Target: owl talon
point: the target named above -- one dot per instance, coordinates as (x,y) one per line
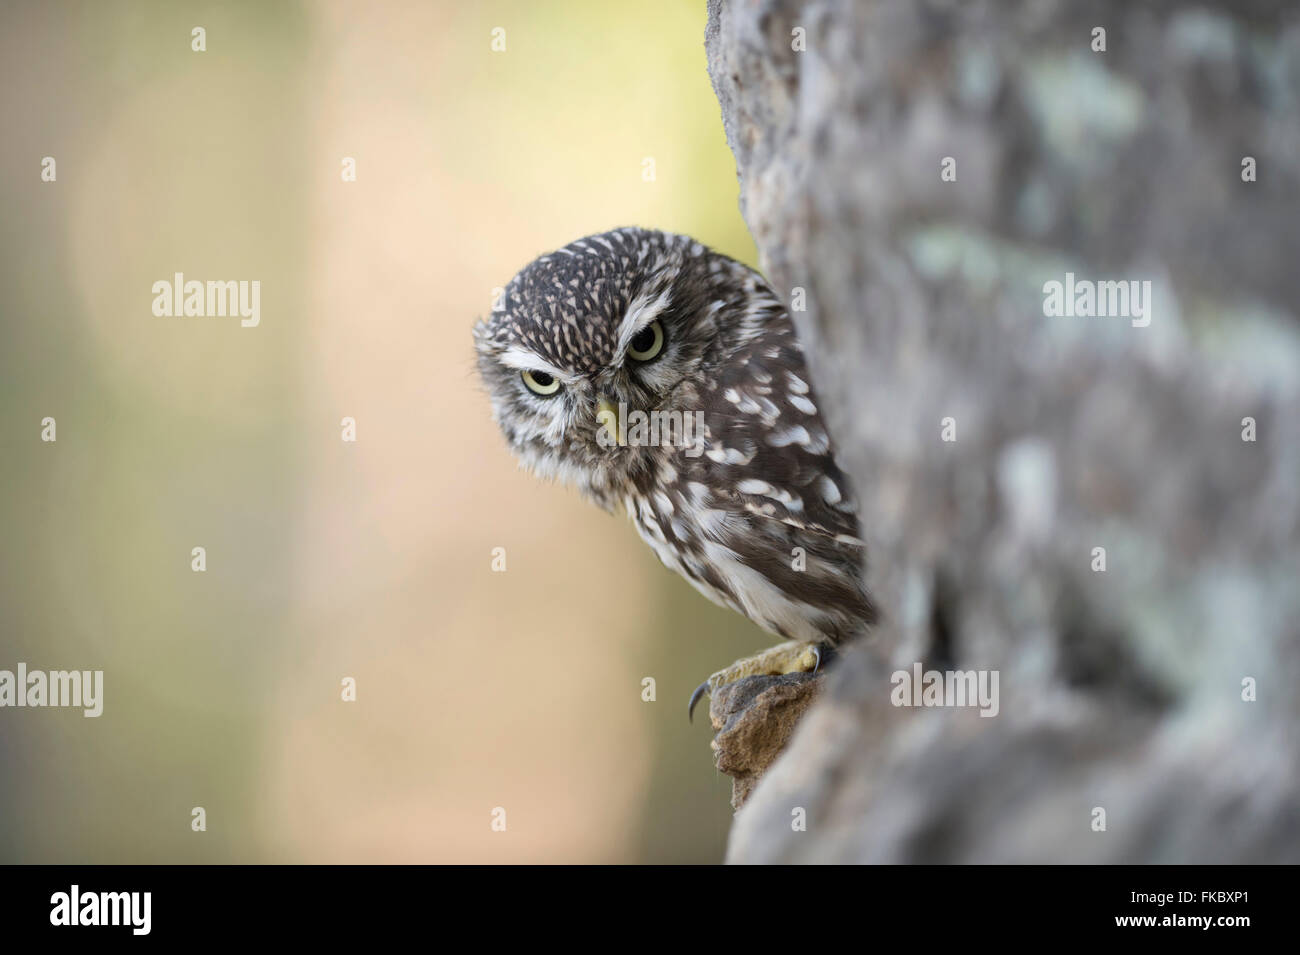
(695,698)
(789,657)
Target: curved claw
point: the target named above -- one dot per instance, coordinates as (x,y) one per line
(695,698)
(817,652)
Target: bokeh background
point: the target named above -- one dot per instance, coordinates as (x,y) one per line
(327,559)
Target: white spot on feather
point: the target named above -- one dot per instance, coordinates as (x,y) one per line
(796,435)
(802,403)
(830,493)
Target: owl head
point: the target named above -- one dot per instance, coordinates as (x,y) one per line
(617,322)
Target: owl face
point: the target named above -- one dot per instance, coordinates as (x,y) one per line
(610,324)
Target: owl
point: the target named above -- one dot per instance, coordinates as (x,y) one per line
(664,380)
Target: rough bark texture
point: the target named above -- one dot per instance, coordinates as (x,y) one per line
(1120,689)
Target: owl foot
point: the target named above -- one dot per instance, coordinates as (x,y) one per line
(789,657)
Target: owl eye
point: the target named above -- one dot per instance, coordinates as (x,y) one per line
(540,383)
(647,343)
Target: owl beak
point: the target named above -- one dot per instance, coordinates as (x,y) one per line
(607,415)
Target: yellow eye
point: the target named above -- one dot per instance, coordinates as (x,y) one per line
(647,343)
(541,383)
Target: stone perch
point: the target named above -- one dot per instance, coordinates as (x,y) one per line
(754,719)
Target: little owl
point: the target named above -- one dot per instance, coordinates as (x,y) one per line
(617,330)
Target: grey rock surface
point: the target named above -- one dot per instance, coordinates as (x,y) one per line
(922,305)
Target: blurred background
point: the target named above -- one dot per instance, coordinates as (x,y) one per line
(327,559)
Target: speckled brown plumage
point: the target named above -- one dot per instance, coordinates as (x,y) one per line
(754,512)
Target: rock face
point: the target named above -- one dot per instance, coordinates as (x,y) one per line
(1104,510)
(754,719)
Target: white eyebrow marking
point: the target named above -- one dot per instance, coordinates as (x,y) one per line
(524,360)
(640,313)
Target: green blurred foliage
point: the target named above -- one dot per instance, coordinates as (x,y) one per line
(175,433)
